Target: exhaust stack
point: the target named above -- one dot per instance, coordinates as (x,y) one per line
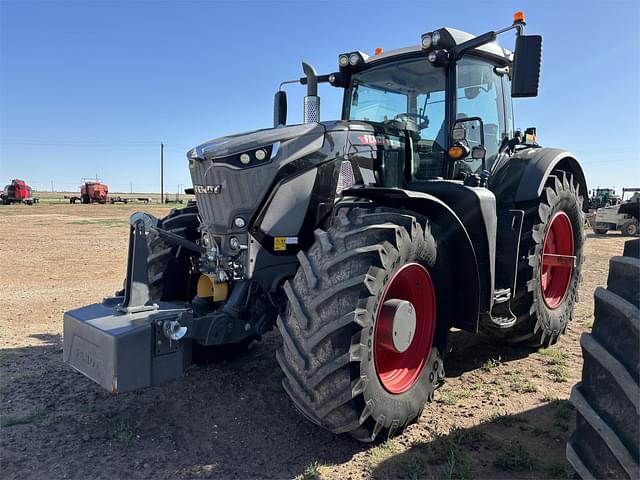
(312,100)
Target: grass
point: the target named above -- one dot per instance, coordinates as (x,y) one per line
(125,431)
(450,452)
(414,468)
(490,364)
(515,458)
(558,360)
(11,420)
(555,356)
(312,472)
(444,457)
(559,373)
(383,452)
(453,396)
(521,384)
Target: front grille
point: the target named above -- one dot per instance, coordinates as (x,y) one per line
(240,192)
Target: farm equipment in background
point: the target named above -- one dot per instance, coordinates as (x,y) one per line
(364,240)
(618,216)
(91,191)
(603,197)
(17,192)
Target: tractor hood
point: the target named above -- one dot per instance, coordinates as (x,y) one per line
(229,184)
(241,142)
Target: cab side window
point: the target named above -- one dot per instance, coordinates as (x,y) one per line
(480,94)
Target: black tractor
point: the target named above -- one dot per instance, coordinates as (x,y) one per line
(364,240)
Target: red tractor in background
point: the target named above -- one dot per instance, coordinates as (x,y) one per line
(91,192)
(17,192)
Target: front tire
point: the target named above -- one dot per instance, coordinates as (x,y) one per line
(548,281)
(341,369)
(169,265)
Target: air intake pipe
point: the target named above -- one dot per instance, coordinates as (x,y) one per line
(312,100)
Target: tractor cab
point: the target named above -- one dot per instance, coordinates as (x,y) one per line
(447,100)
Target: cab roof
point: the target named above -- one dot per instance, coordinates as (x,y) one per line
(450,38)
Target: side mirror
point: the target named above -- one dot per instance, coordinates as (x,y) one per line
(469,129)
(280,108)
(526,66)
(469,133)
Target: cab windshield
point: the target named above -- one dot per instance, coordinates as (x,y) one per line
(408,94)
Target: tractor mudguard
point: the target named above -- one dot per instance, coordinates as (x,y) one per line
(522,176)
(464,268)
(540,163)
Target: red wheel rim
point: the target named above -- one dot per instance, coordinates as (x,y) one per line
(558,260)
(399,371)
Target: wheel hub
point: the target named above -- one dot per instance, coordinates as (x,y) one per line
(405,327)
(558,260)
(397,324)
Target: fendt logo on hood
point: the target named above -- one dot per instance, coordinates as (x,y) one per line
(379,140)
(215,189)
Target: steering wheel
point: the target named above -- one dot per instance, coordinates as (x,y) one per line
(422,121)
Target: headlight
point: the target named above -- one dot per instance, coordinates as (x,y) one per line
(245,159)
(426,41)
(343,60)
(261,154)
(354,59)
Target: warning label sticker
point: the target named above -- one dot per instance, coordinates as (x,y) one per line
(279,244)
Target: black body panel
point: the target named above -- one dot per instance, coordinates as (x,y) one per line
(476,209)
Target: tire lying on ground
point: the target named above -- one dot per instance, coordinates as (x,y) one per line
(361,350)
(606,442)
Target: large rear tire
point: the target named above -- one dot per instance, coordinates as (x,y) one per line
(547,283)
(606,441)
(348,304)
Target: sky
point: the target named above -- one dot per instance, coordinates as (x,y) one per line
(93,87)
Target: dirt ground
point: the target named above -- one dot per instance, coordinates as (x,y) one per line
(502,412)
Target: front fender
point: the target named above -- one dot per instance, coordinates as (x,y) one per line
(540,162)
(465,295)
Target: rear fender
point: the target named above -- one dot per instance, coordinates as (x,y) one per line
(464,266)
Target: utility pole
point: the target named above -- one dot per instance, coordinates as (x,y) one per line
(52,185)
(162,173)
